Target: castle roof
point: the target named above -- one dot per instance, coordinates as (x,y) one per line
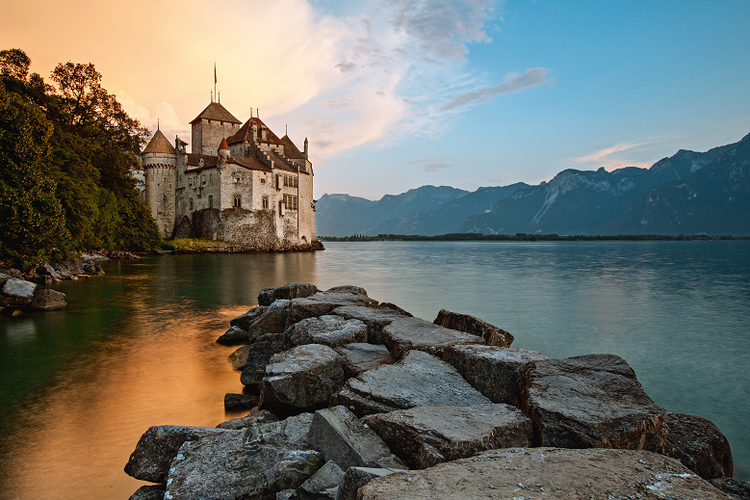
(159,144)
(245,133)
(290,150)
(223,146)
(194,161)
(216,111)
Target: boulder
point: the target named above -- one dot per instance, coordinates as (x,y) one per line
(238,359)
(548,473)
(356,477)
(326,478)
(419,379)
(245,320)
(302,378)
(239,402)
(699,445)
(491,334)
(16,293)
(255,418)
(158,446)
(327,330)
(376,318)
(340,437)
(405,334)
(737,490)
(493,371)
(428,435)
(259,354)
(48,300)
(252,463)
(592,401)
(268,296)
(150,492)
(360,357)
(323,303)
(234,336)
(275,319)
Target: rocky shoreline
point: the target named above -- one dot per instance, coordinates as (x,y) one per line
(349,398)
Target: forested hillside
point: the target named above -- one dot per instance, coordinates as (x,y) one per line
(66,151)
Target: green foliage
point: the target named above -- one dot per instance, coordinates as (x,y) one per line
(65,161)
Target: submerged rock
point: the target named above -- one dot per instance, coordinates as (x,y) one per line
(48,300)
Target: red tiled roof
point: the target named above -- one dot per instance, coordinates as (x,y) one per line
(223,145)
(159,144)
(250,163)
(290,150)
(245,132)
(216,111)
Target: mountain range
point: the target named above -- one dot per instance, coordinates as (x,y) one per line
(687,193)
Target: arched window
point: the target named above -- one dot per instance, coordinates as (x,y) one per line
(237,201)
(210,201)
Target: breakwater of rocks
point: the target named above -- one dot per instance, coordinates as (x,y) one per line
(349,398)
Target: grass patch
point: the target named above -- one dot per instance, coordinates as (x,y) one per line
(192,245)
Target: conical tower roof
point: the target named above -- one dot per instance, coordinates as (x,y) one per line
(216,111)
(223,146)
(159,144)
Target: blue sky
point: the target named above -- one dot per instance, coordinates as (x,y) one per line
(396,94)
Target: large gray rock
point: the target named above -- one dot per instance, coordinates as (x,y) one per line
(239,402)
(323,303)
(428,435)
(327,330)
(360,357)
(419,379)
(238,359)
(356,477)
(48,300)
(327,477)
(537,473)
(255,418)
(493,371)
(251,463)
(259,354)
(268,296)
(592,401)
(275,319)
(150,492)
(16,293)
(340,437)
(234,336)
(491,334)
(301,378)
(405,334)
(245,320)
(699,445)
(376,318)
(737,490)
(158,446)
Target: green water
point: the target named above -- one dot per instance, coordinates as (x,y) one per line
(136,347)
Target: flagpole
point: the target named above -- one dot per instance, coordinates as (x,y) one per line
(215,79)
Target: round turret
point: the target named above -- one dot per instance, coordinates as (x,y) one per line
(159,162)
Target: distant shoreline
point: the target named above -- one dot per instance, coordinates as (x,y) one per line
(532,237)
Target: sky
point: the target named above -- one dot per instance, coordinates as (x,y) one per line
(397,94)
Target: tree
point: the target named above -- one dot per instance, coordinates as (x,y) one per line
(31,217)
(14,63)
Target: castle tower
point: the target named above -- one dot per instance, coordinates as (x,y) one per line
(210,126)
(159,160)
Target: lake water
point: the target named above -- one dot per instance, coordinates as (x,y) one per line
(136,347)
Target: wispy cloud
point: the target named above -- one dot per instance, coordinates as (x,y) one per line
(610,158)
(433,167)
(532,77)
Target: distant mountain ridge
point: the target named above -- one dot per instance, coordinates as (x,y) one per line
(687,193)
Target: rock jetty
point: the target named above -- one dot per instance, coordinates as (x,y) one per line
(349,398)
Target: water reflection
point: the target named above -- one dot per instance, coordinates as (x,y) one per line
(136,347)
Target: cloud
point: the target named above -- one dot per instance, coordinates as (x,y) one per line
(611,159)
(433,167)
(532,77)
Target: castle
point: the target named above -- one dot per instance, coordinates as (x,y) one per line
(240,184)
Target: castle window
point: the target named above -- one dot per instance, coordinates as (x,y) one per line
(263,180)
(291,202)
(210,201)
(237,201)
(191,203)
(265,200)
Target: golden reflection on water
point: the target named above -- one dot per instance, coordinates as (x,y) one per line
(79,435)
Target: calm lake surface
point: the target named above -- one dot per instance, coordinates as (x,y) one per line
(135,347)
